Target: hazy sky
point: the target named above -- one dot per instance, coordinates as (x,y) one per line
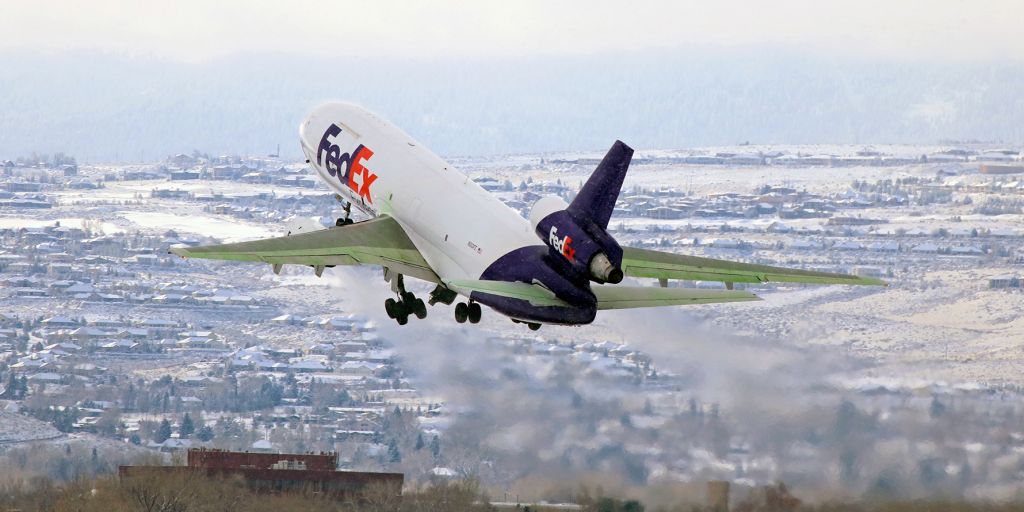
(109,80)
(198,30)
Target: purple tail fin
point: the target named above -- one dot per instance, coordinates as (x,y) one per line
(596,199)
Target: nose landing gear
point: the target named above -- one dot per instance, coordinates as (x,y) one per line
(347,219)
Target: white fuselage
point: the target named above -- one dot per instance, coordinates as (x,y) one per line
(459,227)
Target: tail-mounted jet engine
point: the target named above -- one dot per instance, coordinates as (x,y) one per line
(585,247)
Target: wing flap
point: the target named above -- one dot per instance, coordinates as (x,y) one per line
(380,241)
(624,297)
(663,265)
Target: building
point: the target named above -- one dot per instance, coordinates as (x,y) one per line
(1000,169)
(277,472)
(1004,281)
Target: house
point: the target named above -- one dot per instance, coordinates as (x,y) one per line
(171,445)
(46,378)
(890,247)
(60,322)
(89,333)
(263,446)
(66,348)
(310,365)
(190,402)
(803,245)
(121,346)
(1004,281)
(287,319)
(320,349)
(848,245)
(966,250)
(359,368)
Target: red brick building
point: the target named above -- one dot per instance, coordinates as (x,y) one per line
(278,472)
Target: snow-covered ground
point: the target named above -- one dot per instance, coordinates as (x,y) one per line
(17,428)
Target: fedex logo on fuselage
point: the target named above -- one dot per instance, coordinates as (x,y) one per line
(354,164)
(562,245)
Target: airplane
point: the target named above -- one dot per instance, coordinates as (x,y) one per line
(431,222)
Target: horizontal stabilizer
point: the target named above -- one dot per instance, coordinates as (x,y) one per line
(624,297)
(533,293)
(665,265)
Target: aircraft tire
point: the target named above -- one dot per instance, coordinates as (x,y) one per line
(419,309)
(391,307)
(461,312)
(474,313)
(533,326)
(403,318)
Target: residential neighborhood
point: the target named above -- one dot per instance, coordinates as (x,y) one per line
(106,336)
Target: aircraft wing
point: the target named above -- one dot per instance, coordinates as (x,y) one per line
(663,265)
(623,297)
(380,241)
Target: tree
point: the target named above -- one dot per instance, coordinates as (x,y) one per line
(419,441)
(164,432)
(435,447)
(205,434)
(109,422)
(12,388)
(187,428)
(344,399)
(394,456)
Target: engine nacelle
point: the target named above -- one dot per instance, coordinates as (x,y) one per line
(585,247)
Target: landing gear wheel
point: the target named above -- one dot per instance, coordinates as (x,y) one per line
(419,309)
(402,318)
(391,306)
(474,313)
(533,326)
(461,312)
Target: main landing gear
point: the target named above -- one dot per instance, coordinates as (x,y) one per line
(467,311)
(407,303)
(532,325)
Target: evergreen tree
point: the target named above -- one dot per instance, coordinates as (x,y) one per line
(205,434)
(164,432)
(419,441)
(12,387)
(344,399)
(394,456)
(435,447)
(187,428)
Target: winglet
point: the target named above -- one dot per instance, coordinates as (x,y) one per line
(596,199)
